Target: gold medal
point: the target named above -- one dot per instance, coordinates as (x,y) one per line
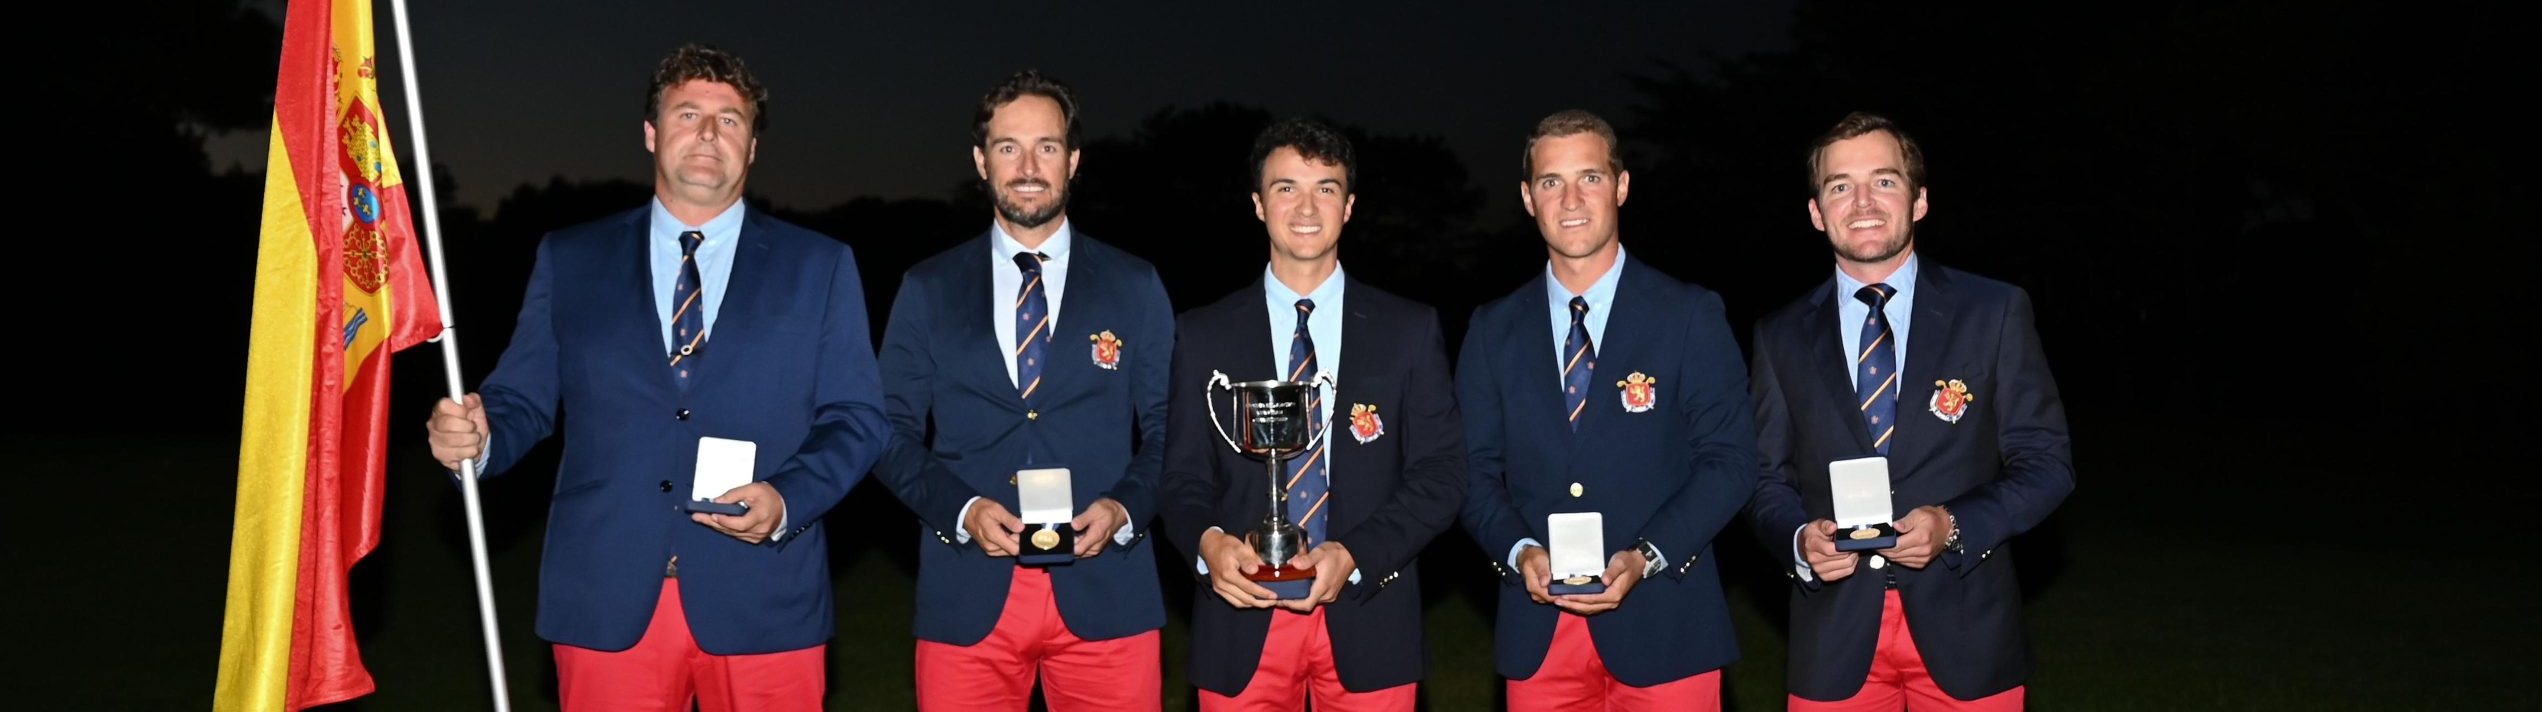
(1866,533)
(1578,580)
(1046,538)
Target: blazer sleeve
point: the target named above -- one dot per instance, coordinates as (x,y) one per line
(2038,459)
(908,467)
(1151,364)
(1432,485)
(1490,515)
(1721,444)
(521,394)
(848,432)
(1190,485)
(1775,507)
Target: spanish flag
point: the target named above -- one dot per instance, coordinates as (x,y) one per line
(339,287)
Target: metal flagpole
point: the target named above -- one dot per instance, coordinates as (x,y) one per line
(449,339)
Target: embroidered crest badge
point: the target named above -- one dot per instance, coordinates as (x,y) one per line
(1640,392)
(1107,350)
(1365,427)
(1950,400)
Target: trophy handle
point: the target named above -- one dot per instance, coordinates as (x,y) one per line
(1218,380)
(1322,378)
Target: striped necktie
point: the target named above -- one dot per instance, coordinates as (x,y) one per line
(1032,324)
(1876,368)
(1580,357)
(688,312)
(1310,472)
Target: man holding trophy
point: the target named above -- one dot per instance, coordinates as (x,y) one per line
(1340,455)
(1606,413)
(1038,355)
(1965,435)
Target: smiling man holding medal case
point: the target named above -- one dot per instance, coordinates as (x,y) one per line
(1030,350)
(1603,390)
(1967,427)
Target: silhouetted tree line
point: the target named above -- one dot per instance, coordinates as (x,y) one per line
(2194,194)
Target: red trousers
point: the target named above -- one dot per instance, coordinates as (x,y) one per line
(1898,679)
(1297,664)
(665,671)
(1117,675)
(1575,678)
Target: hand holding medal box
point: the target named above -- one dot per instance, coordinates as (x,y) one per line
(1860,488)
(1043,496)
(1575,548)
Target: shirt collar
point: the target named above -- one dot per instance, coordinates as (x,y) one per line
(1278,294)
(723,225)
(1005,247)
(1902,280)
(1601,292)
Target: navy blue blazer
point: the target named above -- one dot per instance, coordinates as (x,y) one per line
(2000,470)
(789,366)
(1390,495)
(1673,475)
(943,372)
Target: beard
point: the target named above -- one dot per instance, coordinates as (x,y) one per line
(1024,218)
(1874,252)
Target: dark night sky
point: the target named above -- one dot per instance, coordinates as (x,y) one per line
(877,100)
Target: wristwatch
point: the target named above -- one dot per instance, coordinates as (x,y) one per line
(1951,543)
(1650,556)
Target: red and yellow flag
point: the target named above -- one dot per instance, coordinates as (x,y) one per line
(339,287)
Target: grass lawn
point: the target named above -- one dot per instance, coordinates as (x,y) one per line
(2157,587)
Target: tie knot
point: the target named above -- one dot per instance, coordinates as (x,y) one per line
(1305,307)
(1579,307)
(1030,262)
(1876,295)
(690,240)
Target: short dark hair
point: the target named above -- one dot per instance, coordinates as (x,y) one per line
(1565,123)
(1314,141)
(1855,125)
(694,61)
(1030,82)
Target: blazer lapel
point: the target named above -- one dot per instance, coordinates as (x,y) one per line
(736,319)
(1618,355)
(640,331)
(1360,350)
(977,361)
(1927,350)
(1532,352)
(1825,353)
(1068,358)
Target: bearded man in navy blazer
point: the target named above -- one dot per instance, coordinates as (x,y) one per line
(1940,372)
(689,318)
(1031,346)
(1604,386)
(1388,476)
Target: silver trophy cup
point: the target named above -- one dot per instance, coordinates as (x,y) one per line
(1271,421)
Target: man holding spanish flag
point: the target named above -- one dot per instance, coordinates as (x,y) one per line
(691,334)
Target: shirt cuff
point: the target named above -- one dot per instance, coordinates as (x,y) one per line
(1800,565)
(961,535)
(1522,544)
(782,520)
(1128,531)
(1203,564)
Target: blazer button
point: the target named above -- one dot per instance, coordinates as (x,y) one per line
(666,485)
(1576,489)
(1032,415)
(682,414)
